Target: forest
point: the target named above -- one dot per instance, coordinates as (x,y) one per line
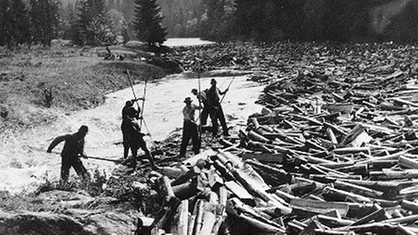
(217,20)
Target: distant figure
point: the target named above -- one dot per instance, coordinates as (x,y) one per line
(201,96)
(134,137)
(71,153)
(216,112)
(189,128)
(125,124)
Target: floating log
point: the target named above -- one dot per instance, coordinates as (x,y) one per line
(183,222)
(319,207)
(407,162)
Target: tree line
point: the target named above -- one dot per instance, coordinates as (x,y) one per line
(106,22)
(308,20)
(84,22)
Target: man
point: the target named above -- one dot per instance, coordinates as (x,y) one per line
(201,96)
(71,153)
(128,104)
(189,128)
(216,112)
(134,137)
(125,124)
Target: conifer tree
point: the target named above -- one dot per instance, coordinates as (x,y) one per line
(94,24)
(22,24)
(5,23)
(45,20)
(14,23)
(147,22)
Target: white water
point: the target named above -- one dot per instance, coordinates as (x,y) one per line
(172,42)
(25,163)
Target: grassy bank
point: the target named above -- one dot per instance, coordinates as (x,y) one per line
(34,80)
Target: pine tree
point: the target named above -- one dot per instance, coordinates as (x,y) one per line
(45,20)
(147,23)
(94,24)
(6,27)
(14,23)
(22,24)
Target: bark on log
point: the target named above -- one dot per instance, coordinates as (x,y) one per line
(183,222)
(208,221)
(407,162)
(320,207)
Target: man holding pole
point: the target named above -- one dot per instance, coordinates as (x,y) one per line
(216,112)
(71,153)
(201,96)
(125,124)
(189,128)
(134,138)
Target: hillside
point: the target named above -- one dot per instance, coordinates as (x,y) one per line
(67,79)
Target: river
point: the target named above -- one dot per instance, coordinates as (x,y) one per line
(26,164)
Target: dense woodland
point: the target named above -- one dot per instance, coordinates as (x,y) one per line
(102,22)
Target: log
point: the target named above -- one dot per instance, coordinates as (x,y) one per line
(405,219)
(387,174)
(410,206)
(295,227)
(382,186)
(265,157)
(379,164)
(223,196)
(407,162)
(240,192)
(332,221)
(344,194)
(257,137)
(404,102)
(331,232)
(228,157)
(165,215)
(191,223)
(198,213)
(144,225)
(171,172)
(348,150)
(240,207)
(358,168)
(193,172)
(183,222)
(219,220)
(287,197)
(260,226)
(335,129)
(215,180)
(271,170)
(234,211)
(185,190)
(320,206)
(402,230)
(167,188)
(374,216)
(357,189)
(271,211)
(208,221)
(331,136)
(337,165)
(245,181)
(311,120)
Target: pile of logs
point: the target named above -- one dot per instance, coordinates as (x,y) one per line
(333,151)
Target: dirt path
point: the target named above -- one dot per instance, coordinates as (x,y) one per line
(24,160)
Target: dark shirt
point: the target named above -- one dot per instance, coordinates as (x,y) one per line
(73,147)
(125,112)
(213,96)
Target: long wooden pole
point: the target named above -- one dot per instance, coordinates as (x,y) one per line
(199,98)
